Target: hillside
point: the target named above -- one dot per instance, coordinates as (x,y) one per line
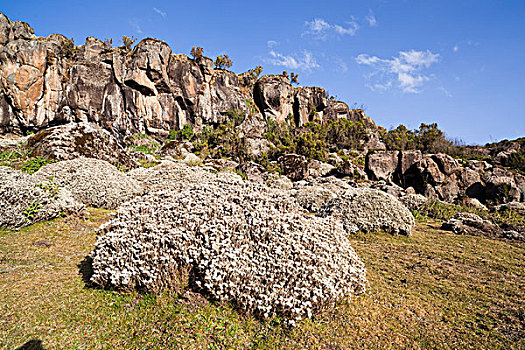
(152,200)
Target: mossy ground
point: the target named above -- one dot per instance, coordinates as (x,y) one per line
(431,290)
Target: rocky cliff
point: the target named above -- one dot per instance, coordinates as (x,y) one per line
(148,89)
(89,100)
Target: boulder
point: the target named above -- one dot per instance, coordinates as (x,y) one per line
(449,190)
(500,186)
(509,206)
(176,149)
(407,158)
(446,163)
(478,165)
(422,174)
(381,164)
(473,203)
(390,188)
(334,159)
(220,164)
(253,171)
(348,168)
(71,141)
(93,182)
(294,166)
(243,243)
(413,201)
(519,179)
(25,200)
(470,224)
(318,169)
(257,146)
(369,210)
(192,159)
(273,95)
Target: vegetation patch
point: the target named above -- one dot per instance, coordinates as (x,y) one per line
(431,290)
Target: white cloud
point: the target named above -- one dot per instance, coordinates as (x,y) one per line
(136,26)
(160,12)
(371,18)
(445,91)
(455,48)
(272,43)
(305,61)
(405,69)
(339,65)
(319,29)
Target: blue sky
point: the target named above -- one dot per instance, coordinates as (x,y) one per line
(458,63)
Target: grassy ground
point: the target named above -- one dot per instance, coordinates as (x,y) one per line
(431,290)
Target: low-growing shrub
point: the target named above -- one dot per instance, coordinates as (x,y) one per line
(33,165)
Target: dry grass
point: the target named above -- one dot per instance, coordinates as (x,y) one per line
(431,290)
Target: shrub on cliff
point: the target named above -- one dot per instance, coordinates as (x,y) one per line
(223,62)
(316,139)
(128,42)
(197,52)
(185,134)
(223,140)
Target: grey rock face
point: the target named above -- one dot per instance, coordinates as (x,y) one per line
(309,104)
(317,168)
(25,200)
(93,182)
(294,166)
(274,97)
(510,206)
(369,210)
(446,163)
(48,81)
(381,164)
(347,168)
(413,201)
(244,242)
(70,141)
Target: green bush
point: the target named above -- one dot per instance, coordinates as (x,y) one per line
(33,165)
(222,140)
(223,62)
(515,161)
(315,139)
(185,134)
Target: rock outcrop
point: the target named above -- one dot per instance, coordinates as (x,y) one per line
(294,166)
(74,140)
(441,177)
(470,224)
(49,81)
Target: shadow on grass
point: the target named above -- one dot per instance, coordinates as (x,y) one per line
(85,269)
(34,344)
